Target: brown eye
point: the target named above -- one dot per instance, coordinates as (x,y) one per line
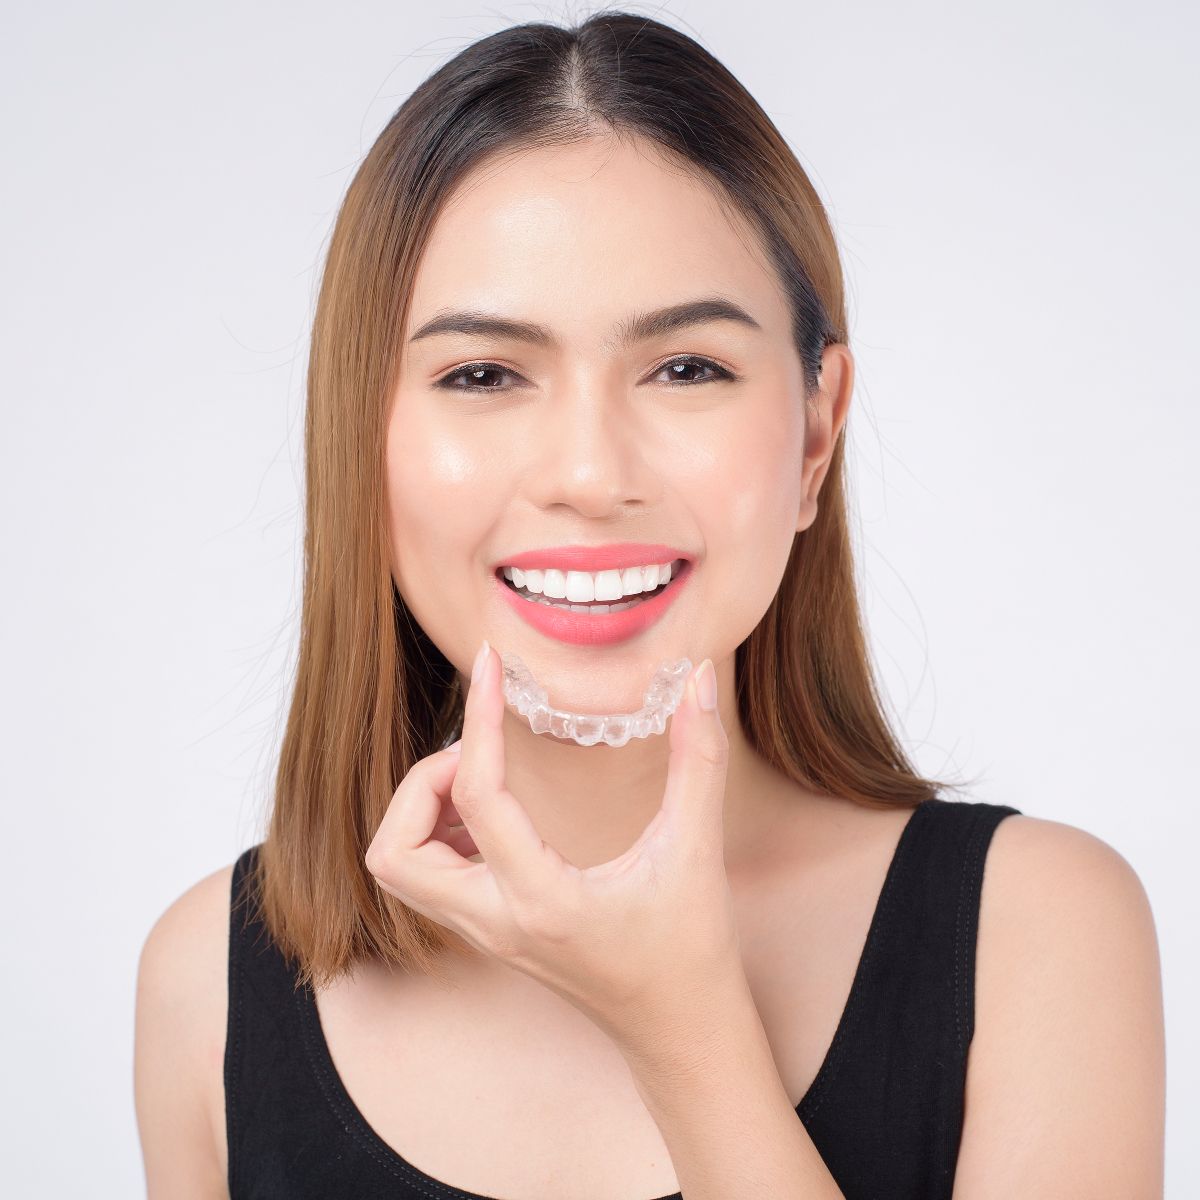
(680,371)
(678,367)
(473,376)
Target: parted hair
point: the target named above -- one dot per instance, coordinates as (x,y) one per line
(372,694)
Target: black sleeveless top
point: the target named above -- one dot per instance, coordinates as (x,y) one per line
(885,1110)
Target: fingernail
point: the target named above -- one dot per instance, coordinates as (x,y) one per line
(706,686)
(480,659)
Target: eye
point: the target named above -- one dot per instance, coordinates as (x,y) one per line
(691,360)
(472,374)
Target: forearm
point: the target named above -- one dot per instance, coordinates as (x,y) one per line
(712,1087)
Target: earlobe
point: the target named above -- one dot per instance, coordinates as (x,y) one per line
(807,515)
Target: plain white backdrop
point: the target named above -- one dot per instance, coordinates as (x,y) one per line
(1015,190)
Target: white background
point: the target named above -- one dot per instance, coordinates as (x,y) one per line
(1015,190)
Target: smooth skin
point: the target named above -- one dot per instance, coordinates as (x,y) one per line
(589,441)
(623,941)
(581,441)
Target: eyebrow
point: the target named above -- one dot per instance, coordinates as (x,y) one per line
(638,328)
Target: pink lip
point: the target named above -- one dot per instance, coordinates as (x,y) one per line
(603,629)
(613,556)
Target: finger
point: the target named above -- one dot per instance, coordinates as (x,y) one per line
(697,768)
(404,855)
(451,830)
(458,838)
(501,827)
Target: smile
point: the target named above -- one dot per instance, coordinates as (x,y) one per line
(603,592)
(595,623)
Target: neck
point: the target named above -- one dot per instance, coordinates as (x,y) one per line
(591,803)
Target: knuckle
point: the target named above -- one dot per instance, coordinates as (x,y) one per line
(461,791)
(386,868)
(375,860)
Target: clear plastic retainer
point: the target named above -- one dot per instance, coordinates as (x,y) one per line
(659,701)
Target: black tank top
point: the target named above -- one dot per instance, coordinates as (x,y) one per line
(885,1109)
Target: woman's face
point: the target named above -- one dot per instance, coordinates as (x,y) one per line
(582,437)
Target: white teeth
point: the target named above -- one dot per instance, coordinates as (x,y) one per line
(586,587)
(608,586)
(632,581)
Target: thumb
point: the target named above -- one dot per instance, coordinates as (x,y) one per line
(694,801)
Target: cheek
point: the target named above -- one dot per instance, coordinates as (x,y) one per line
(430,528)
(752,484)
(748,499)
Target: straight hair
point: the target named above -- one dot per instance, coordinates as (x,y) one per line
(372,694)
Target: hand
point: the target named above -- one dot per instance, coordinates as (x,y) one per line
(632,942)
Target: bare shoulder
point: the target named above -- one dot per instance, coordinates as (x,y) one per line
(185,959)
(179,1043)
(1065,1090)
(1024,846)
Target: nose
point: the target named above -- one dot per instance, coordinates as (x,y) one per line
(590,449)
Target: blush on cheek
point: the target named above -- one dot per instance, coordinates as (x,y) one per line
(446,462)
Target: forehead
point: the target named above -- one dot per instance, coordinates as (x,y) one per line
(589,231)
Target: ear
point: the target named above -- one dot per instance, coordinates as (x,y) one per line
(825,414)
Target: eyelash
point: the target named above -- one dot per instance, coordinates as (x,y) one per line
(720,373)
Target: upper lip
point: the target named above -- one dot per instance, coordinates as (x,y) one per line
(610,557)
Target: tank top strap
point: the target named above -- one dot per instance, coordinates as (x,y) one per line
(934,907)
(277,1125)
(257,966)
(887,1107)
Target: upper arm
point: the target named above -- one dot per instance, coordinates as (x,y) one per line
(179,1044)
(1066,1075)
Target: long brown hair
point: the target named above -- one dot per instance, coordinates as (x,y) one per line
(373,694)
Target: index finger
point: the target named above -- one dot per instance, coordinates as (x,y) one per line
(412,816)
(495,818)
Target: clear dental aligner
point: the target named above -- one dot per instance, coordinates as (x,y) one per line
(659,701)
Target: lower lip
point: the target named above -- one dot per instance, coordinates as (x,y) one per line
(599,629)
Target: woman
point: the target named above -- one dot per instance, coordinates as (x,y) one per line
(582,326)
